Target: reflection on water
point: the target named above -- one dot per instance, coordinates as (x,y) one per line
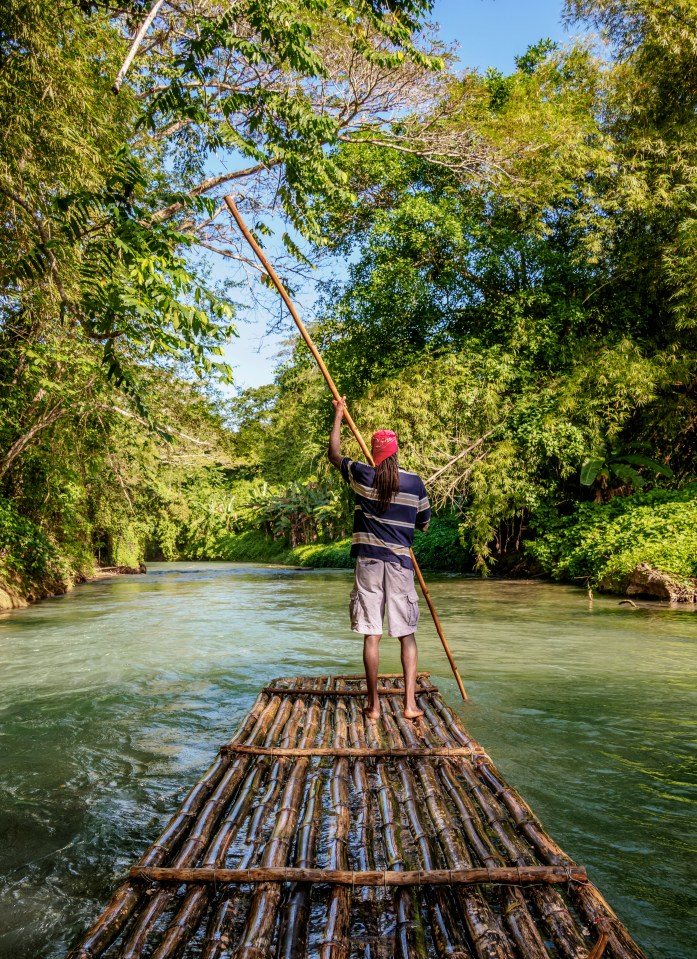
(113,700)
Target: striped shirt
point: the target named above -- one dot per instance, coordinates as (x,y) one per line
(389,535)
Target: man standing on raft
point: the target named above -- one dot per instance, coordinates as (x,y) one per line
(390,505)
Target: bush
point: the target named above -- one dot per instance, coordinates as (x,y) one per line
(440,547)
(327,555)
(27,555)
(249,547)
(604,543)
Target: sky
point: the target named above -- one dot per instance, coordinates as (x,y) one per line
(488,33)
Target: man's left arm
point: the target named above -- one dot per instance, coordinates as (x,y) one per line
(423,516)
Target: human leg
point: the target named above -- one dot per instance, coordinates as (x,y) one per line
(367,610)
(371,661)
(402,607)
(410,657)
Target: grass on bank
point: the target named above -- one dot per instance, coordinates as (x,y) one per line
(439,549)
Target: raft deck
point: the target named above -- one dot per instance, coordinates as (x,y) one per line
(317,832)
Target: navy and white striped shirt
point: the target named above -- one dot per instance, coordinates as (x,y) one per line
(389,535)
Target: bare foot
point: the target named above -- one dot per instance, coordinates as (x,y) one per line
(413,713)
(371,712)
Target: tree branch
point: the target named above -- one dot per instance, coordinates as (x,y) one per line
(169,211)
(142,30)
(459,456)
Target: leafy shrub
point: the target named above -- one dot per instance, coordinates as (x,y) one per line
(326,555)
(604,543)
(440,547)
(26,553)
(248,547)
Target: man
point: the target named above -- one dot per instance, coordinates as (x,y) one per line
(390,504)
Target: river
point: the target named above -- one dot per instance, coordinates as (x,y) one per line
(114,698)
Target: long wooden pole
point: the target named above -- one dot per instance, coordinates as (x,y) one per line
(514,875)
(335,393)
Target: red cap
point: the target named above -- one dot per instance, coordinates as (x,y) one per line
(384,444)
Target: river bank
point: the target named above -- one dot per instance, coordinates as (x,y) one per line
(19,595)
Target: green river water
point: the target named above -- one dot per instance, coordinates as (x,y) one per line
(114,698)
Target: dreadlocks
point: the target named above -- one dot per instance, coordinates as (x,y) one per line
(386,482)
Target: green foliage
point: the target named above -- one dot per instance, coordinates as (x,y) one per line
(253,546)
(26,554)
(518,301)
(325,555)
(440,547)
(604,543)
(622,464)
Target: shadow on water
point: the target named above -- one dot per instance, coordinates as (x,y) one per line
(114,698)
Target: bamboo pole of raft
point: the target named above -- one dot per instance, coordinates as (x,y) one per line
(471,876)
(363,858)
(335,393)
(335,935)
(445,928)
(296,911)
(481,923)
(190,912)
(360,752)
(221,922)
(382,691)
(409,936)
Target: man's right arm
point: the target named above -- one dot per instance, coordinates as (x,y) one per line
(334,451)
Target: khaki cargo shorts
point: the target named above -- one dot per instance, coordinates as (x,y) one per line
(380,588)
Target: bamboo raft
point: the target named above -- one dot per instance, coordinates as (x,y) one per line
(320,833)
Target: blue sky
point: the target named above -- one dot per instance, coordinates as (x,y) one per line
(489,33)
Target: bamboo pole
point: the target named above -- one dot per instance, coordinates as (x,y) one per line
(410,940)
(559,922)
(382,690)
(190,912)
(335,936)
(359,752)
(296,911)
(222,921)
(421,672)
(480,919)
(445,926)
(365,907)
(474,876)
(436,836)
(335,393)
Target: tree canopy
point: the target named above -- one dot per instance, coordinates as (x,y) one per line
(514,287)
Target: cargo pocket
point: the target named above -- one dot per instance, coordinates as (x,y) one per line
(412,610)
(354,608)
